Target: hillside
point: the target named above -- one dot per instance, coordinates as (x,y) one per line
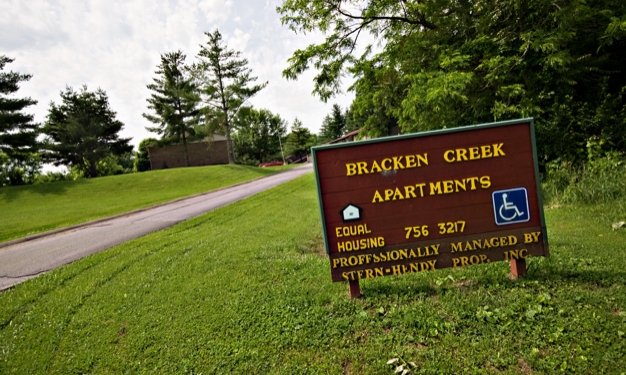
(37,208)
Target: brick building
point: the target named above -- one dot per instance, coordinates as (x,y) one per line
(200,153)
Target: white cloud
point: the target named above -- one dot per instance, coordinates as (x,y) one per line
(116,44)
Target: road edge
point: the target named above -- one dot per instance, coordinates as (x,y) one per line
(128,213)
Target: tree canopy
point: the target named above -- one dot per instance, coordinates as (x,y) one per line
(446,64)
(258,136)
(83,130)
(299,141)
(174,100)
(225,84)
(18,133)
(334,124)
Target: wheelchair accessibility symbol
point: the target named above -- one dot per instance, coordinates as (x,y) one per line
(510,206)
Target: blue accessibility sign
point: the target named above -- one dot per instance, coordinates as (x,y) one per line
(510,206)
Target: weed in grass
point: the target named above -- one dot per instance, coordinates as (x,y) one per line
(238,291)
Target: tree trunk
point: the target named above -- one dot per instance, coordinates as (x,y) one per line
(229,144)
(187,164)
(93,170)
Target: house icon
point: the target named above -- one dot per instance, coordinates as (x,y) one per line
(351,213)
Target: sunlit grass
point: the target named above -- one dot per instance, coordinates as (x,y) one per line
(246,289)
(37,208)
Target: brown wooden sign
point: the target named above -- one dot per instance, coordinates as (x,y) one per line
(424,201)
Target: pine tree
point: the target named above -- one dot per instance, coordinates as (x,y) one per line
(334,125)
(225,84)
(17,131)
(82,131)
(174,101)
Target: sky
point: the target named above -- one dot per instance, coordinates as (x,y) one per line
(116,45)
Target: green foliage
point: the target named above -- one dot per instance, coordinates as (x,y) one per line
(334,125)
(72,199)
(19,171)
(299,141)
(601,180)
(448,64)
(244,289)
(174,100)
(258,137)
(18,133)
(225,85)
(142,157)
(116,164)
(82,131)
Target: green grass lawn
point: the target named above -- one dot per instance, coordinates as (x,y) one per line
(37,208)
(246,289)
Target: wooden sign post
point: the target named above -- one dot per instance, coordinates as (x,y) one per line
(424,201)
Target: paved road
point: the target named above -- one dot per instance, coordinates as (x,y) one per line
(22,261)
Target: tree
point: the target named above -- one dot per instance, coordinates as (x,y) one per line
(142,158)
(258,136)
(18,133)
(224,80)
(299,141)
(447,64)
(82,131)
(174,100)
(334,124)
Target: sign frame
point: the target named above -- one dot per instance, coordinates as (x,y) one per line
(530,121)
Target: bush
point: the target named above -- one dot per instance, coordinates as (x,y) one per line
(19,171)
(598,181)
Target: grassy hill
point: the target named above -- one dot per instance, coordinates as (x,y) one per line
(246,289)
(37,208)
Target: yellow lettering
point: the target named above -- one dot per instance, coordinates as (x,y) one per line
(435,249)
(447,157)
(396,162)
(410,161)
(397,195)
(369,274)
(474,153)
(377,198)
(421,186)
(435,188)
(523,253)
(362,166)
(422,159)
(335,262)
(528,238)
(461,154)
(485,152)
(375,167)
(459,184)
(388,194)
(472,180)
(340,247)
(456,247)
(388,161)
(448,186)
(455,262)
(378,271)
(497,150)
(338,231)
(409,192)
(351,169)
(485,182)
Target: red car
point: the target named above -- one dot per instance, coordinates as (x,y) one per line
(271,164)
